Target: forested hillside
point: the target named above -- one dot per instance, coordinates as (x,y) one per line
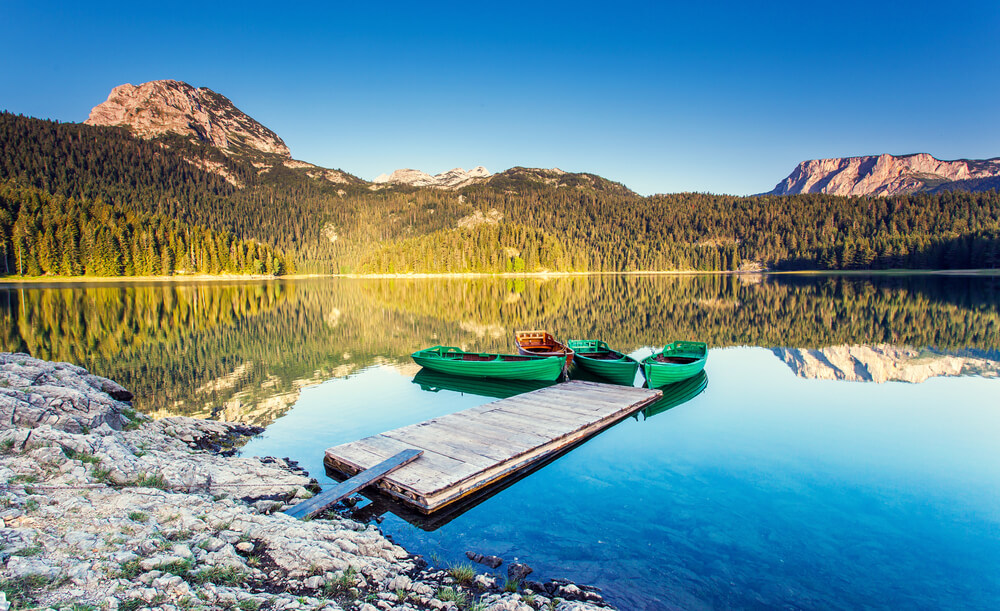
(520,220)
(54,235)
(694,231)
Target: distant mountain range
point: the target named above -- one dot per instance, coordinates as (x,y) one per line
(166,150)
(163,107)
(452,179)
(884,175)
(168,106)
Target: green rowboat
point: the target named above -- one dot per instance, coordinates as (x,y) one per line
(595,356)
(449,359)
(677,361)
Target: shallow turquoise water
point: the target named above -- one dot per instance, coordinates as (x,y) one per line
(766,490)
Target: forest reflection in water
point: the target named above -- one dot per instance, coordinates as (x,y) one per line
(243,350)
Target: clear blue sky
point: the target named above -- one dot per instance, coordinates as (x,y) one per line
(723,97)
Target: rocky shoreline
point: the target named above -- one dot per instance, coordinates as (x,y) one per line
(103,508)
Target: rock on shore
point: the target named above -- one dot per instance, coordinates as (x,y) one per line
(101,506)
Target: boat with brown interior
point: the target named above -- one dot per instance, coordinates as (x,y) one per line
(542,343)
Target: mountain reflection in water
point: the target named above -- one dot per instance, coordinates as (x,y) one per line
(243,351)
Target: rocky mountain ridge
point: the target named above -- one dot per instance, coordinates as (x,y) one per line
(168,106)
(453,179)
(162,107)
(884,175)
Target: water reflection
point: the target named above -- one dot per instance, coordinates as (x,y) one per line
(884,363)
(435,381)
(677,394)
(245,351)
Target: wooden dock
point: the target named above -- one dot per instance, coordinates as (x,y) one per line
(469,450)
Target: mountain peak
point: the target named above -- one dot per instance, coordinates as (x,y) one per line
(168,106)
(884,175)
(452,179)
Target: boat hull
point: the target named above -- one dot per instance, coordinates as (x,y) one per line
(451,361)
(619,372)
(611,365)
(659,373)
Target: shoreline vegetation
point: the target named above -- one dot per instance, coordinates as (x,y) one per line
(104,507)
(41,280)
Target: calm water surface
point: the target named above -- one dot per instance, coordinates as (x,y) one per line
(843,454)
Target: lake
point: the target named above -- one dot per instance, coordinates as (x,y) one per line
(841,452)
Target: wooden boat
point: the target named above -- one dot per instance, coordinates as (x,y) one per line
(448,359)
(596,357)
(677,361)
(541,343)
(435,381)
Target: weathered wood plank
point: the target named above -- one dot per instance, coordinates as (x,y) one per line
(452,447)
(310,507)
(562,411)
(431,466)
(512,419)
(581,404)
(499,433)
(468,450)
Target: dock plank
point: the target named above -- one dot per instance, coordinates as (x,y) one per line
(499,433)
(475,448)
(310,507)
(464,448)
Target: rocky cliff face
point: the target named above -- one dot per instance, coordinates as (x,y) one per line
(160,107)
(451,180)
(884,175)
(882,363)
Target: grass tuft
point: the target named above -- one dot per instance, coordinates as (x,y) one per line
(84,457)
(21,592)
(151,481)
(340,583)
(130,570)
(178,567)
(449,594)
(132,604)
(220,576)
(100,474)
(463,573)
